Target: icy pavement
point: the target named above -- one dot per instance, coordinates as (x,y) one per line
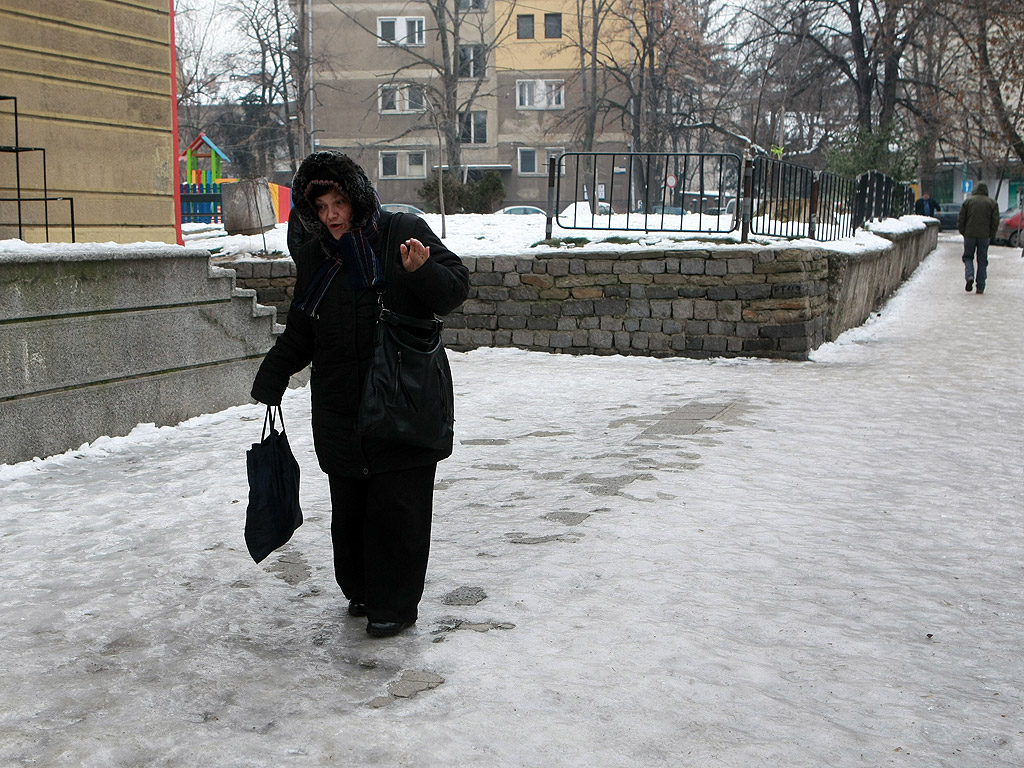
(636,562)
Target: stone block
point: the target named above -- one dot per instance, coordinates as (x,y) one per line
(721,292)
(512,322)
(730,310)
(705,310)
(538,281)
(247,207)
(492,293)
(601,339)
(558,267)
(682,309)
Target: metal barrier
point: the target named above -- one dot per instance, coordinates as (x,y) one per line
(646,191)
(700,192)
(46,198)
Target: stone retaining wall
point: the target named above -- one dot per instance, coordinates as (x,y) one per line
(713,301)
(96,341)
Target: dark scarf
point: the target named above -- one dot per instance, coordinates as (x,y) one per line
(352,250)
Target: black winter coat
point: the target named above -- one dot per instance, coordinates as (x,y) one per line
(339,342)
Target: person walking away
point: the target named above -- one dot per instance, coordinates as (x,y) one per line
(925,206)
(978,222)
(381,491)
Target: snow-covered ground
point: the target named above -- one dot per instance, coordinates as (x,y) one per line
(635,562)
(479,234)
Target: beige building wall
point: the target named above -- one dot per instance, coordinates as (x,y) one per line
(519,139)
(93,85)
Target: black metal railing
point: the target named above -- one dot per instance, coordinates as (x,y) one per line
(19,197)
(647,191)
(715,193)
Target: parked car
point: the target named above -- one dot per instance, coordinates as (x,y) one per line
(728,210)
(402,208)
(522,210)
(947,215)
(668,210)
(1011,228)
(581,211)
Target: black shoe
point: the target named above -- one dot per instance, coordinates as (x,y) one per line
(981,289)
(356,609)
(386,628)
(969,286)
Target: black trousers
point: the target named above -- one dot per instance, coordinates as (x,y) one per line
(380,528)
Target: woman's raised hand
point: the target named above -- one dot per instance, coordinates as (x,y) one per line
(414,254)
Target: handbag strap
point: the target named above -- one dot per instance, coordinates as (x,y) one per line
(387,258)
(269,419)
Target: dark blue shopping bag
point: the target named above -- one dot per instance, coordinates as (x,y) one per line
(273,513)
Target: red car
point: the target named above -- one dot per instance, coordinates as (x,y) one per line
(1011,228)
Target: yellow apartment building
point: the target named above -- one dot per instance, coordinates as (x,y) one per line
(93,84)
(371,104)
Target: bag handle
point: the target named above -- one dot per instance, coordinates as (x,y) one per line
(269,419)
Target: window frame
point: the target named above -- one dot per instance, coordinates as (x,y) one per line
(472,121)
(402,22)
(520,151)
(478,51)
(552,17)
(539,169)
(402,165)
(533,26)
(545,94)
(403,103)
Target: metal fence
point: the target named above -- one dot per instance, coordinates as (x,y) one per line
(646,191)
(715,193)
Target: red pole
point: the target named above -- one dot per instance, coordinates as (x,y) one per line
(174,120)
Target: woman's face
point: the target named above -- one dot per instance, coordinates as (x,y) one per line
(335,211)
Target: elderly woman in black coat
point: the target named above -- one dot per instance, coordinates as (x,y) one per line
(381,492)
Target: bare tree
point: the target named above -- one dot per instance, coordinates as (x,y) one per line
(993,32)
(460,67)
(269,77)
(201,67)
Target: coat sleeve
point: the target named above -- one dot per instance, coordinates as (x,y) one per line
(961,218)
(442,283)
(293,349)
(993,224)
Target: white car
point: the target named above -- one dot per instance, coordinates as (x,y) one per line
(522,210)
(581,211)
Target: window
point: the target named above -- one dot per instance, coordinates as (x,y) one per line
(414,98)
(388,99)
(400,30)
(403,164)
(524,26)
(417,164)
(529,161)
(472,61)
(553,153)
(472,5)
(552,25)
(540,94)
(398,99)
(474,127)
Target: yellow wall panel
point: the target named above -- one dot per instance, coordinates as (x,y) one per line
(93,84)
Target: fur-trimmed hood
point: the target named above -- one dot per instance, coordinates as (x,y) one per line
(343,171)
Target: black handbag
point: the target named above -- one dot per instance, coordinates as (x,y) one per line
(273,513)
(407,396)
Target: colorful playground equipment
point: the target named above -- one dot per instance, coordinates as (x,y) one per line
(201,192)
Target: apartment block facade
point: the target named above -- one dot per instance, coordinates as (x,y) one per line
(372,82)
